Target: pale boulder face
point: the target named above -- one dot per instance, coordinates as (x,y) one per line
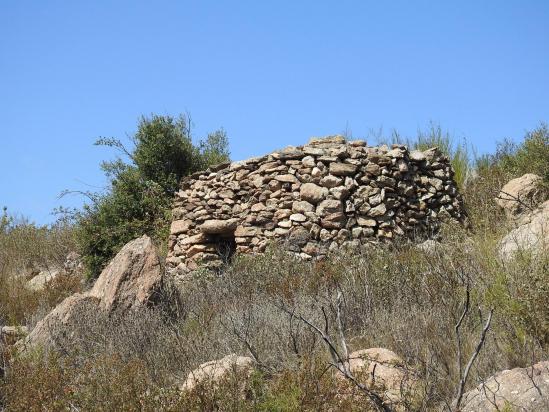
(520,196)
(214,372)
(40,281)
(131,280)
(519,389)
(383,371)
(531,237)
(67,311)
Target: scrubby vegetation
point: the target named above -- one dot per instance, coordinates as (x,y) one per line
(394,296)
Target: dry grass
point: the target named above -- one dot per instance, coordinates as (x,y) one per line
(395,297)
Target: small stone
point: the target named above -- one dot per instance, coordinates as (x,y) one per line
(342,169)
(285,224)
(302,207)
(417,156)
(308,161)
(312,193)
(258,207)
(377,211)
(298,217)
(330,181)
(219,226)
(287,178)
(333,221)
(329,206)
(366,222)
(340,192)
(372,169)
(180,226)
(245,231)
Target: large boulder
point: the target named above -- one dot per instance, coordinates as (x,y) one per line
(131,280)
(214,372)
(42,279)
(531,237)
(519,389)
(384,372)
(521,195)
(55,322)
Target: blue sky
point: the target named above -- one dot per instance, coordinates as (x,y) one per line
(271,73)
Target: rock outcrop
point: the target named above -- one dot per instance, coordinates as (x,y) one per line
(42,279)
(315,198)
(531,237)
(384,372)
(214,372)
(130,281)
(520,196)
(519,389)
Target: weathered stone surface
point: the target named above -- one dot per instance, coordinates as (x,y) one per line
(330,181)
(531,237)
(180,226)
(215,226)
(54,322)
(520,195)
(302,207)
(329,206)
(384,372)
(245,231)
(342,169)
(298,217)
(519,389)
(287,178)
(131,279)
(377,211)
(417,156)
(213,372)
(342,194)
(45,277)
(313,193)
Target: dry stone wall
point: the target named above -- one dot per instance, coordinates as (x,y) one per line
(314,198)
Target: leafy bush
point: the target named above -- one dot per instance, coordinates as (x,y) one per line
(139,198)
(530,156)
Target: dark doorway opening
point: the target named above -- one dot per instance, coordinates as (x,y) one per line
(225,245)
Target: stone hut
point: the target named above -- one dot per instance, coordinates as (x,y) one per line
(314,198)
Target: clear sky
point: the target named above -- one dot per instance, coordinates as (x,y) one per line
(272,73)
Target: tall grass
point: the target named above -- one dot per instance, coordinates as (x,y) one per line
(458,150)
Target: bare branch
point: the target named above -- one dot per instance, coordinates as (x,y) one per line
(465,376)
(337,361)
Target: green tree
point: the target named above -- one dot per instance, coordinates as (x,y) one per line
(138,200)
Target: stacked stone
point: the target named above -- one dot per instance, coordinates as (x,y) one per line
(314,198)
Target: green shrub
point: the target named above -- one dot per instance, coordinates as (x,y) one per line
(530,156)
(140,194)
